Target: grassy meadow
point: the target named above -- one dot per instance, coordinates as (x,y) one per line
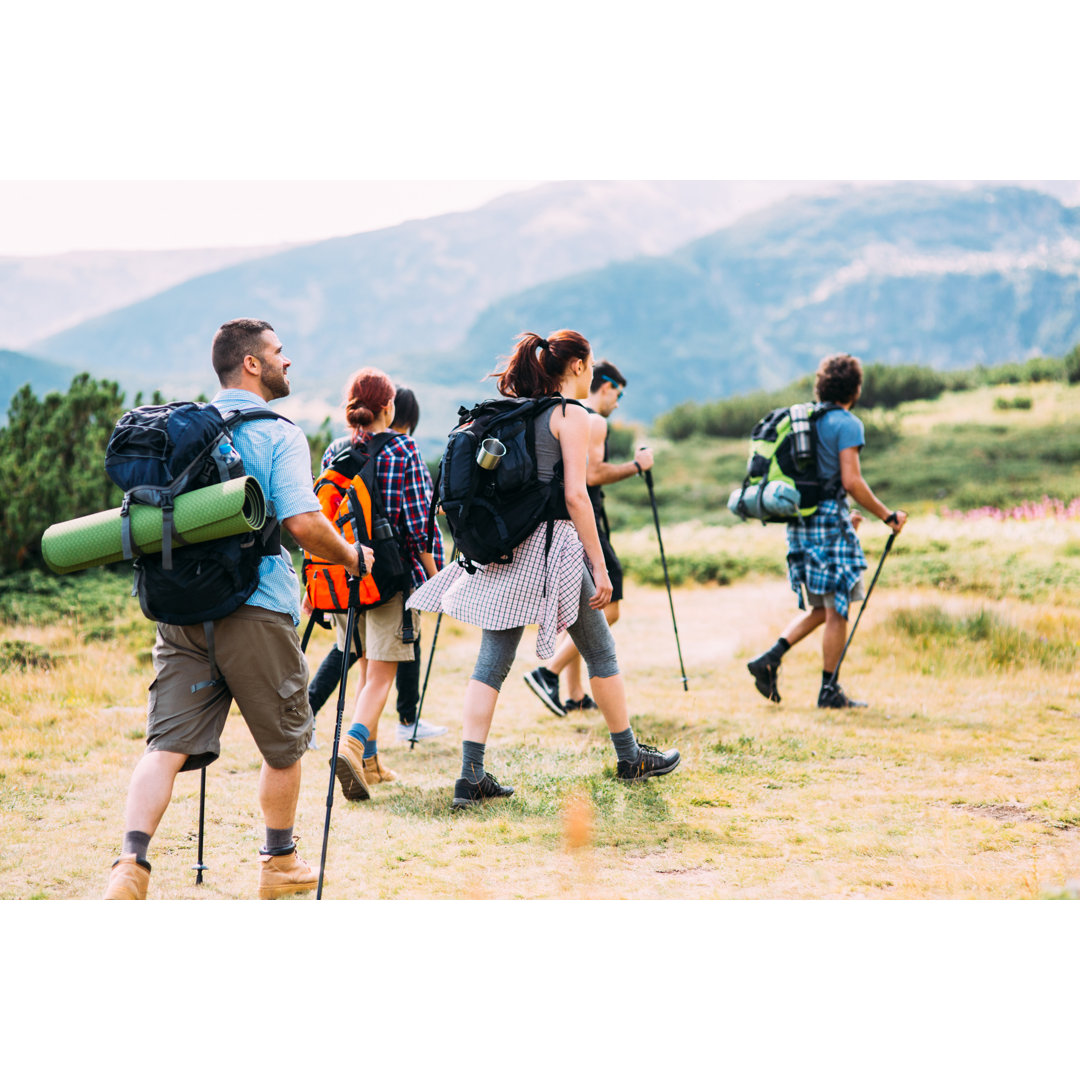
(961,780)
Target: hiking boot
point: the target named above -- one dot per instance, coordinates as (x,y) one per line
(281,875)
(350,770)
(545,685)
(374,773)
(765,671)
(468,792)
(570,705)
(833,697)
(128,879)
(423,731)
(650,762)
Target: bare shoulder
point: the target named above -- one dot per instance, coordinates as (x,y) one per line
(569,418)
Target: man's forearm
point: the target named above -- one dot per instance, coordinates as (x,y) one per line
(605,472)
(314,533)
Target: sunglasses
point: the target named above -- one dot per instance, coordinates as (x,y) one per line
(607,378)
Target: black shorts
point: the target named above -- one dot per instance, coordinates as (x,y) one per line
(614,567)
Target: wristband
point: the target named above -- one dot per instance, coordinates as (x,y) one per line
(892,519)
(637,465)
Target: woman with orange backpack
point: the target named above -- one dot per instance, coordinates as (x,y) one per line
(387,632)
(557,577)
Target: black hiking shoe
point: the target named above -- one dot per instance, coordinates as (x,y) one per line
(833,697)
(545,685)
(650,762)
(470,792)
(765,671)
(570,705)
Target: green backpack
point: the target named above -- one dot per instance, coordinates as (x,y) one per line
(781,481)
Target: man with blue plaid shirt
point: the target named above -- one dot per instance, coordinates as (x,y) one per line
(825,559)
(256,648)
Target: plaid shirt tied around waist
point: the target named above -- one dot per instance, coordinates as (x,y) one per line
(824,554)
(530,590)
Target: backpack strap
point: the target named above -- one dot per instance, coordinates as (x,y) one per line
(215,674)
(835,490)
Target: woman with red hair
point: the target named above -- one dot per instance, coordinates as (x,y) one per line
(564,587)
(386,632)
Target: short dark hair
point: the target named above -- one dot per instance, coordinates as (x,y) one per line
(839,378)
(233,341)
(605,371)
(406,409)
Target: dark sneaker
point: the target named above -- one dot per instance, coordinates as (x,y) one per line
(545,685)
(833,697)
(765,671)
(570,705)
(650,762)
(470,792)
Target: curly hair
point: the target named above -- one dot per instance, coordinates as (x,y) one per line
(839,378)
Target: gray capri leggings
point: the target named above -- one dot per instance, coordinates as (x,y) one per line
(591,635)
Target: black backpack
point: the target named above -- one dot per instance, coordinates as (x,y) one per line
(157,452)
(490,511)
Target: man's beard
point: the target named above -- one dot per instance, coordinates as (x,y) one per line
(276,384)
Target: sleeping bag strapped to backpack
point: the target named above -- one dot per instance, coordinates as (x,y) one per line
(491,510)
(349,495)
(781,482)
(157,452)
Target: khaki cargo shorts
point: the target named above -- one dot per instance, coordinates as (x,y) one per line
(258,654)
(380,631)
(828,600)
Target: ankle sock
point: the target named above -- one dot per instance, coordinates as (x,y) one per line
(472,761)
(358,731)
(626,746)
(371,748)
(135,843)
(279,841)
(776,653)
(826,678)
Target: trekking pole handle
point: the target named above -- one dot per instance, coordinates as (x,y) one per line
(362,565)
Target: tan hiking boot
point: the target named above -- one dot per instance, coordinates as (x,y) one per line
(376,773)
(281,875)
(128,879)
(350,770)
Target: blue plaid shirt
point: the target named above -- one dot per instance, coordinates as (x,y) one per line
(277,455)
(824,554)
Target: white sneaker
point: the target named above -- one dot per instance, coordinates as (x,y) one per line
(423,731)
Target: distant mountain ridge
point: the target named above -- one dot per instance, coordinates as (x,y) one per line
(18,369)
(416,286)
(895,274)
(46,294)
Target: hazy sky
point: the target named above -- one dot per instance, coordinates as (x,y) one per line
(108,108)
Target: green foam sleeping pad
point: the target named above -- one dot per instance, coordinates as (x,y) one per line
(237,506)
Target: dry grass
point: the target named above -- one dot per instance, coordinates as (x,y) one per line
(961,781)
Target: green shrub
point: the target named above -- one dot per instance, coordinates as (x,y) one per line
(998,642)
(621,441)
(888,385)
(40,598)
(1003,403)
(1071,363)
(24,655)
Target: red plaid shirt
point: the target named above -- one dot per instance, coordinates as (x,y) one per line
(406,489)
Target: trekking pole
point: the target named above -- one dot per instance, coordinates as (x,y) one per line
(873,582)
(337,739)
(423,690)
(200,866)
(427,674)
(647,473)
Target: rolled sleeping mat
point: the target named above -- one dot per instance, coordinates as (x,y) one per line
(229,509)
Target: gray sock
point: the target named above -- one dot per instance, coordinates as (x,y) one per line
(279,841)
(626,746)
(135,843)
(472,761)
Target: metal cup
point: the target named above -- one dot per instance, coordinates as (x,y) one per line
(490,454)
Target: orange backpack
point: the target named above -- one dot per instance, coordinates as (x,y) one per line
(348,494)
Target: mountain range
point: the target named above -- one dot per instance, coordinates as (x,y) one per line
(690,295)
